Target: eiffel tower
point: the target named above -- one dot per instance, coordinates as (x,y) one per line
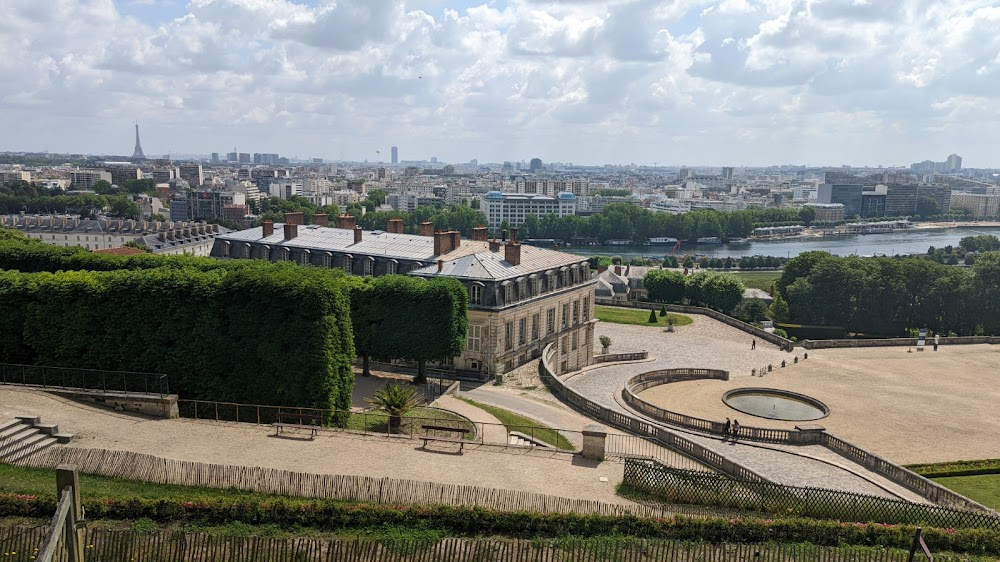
(137,153)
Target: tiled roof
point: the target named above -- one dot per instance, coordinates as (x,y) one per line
(472,259)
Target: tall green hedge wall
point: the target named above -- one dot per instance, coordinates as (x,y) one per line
(265,335)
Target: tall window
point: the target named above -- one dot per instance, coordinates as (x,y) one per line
(475,337)
(508,336)
(534,326)
(574,340)
(390,267)
(586,309)
(565,344)
(565,315)
(475,294)
(576,312)
(327,259)
(522,331)
(550,321)
(508,294)
(347,264)
(369,266)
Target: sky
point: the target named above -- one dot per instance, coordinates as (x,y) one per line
(723,83)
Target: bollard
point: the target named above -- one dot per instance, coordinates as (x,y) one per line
(796,359)
(805,355)
(753,372)
(782,363)
(770,367)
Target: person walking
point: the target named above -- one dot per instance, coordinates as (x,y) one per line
(753,344)
(736,429)
(727,428)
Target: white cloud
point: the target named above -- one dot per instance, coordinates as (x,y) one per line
(711,81)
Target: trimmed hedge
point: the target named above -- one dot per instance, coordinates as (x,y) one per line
(474,521)
(260,333)
(957,468)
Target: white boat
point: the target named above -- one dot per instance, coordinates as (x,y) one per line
(738,241)
(709,240)
(661,241)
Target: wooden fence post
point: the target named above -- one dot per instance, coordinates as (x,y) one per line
(66,475)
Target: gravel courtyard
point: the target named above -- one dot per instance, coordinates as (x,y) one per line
(911,407)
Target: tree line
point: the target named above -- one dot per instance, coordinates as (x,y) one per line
(890,296)
(624,221)
(718,291)
(87,206)
(246,331)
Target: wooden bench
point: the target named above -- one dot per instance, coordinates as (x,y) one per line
(461,433)
(291,420)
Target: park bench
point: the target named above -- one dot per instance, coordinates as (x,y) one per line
(291,420)
(453,430)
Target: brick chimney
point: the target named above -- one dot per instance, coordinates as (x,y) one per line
(512,252)
(268,228)
(618,270)
(395,226)
(321,219)
(494,245)
(440,265)
(513,235)
(357,234)
(479,233)
(442,243)
(294,218)
(602,268)
(291,231)
(426,229)
(456,239)
(346,222)
(555,246)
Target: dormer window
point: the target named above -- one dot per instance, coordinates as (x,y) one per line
(476,293)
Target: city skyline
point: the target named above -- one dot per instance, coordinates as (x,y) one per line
(631,81)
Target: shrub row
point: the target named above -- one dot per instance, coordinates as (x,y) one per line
(957,468)
(473,521)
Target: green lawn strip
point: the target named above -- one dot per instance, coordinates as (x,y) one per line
(42,481)
(378,421)
(983,488)
(758,279)
(637,316)
(521,424)
(957,468)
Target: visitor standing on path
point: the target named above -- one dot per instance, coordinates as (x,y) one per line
(753,344)
(736,429)
(728,427)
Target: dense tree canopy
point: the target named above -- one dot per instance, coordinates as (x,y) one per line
(120,206)
(720,291)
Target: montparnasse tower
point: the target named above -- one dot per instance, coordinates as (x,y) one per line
(137,153)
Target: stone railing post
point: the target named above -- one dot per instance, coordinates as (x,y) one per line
(594,437)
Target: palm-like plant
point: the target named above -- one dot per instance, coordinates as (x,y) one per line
(396,401)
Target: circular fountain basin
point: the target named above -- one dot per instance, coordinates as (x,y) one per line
(774,404)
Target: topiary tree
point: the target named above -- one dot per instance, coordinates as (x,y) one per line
(605,342)
(652,317)
(688,263)
(663,310)
(396,401)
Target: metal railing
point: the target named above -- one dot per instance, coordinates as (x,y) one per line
(126,382)
(373,422)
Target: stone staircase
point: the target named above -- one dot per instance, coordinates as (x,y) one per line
(519,439)
(26,435)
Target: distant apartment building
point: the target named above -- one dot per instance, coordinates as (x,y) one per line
(395,154)
(408,202)
(827,212)
(552,187)
(514,207)
(85,179)
(803,192)
(343,198)
(7,176)
(872,204)
(122,172)
(235,213)
(244,158)
(161,237)
(848,195)
(980,206)
(901,200)
(192,173)
(284,189)
(206,204)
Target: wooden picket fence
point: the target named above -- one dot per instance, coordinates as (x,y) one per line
(678,486)
(18,544)
(148,468)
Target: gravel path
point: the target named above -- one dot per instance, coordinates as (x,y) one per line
(710,344)
(331,452)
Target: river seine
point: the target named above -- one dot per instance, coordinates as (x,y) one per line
(910,241)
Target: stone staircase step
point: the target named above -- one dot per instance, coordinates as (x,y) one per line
(16,434)
(4,426)
(47,428)
(64,437)
(35,447)
(29,419)
(9,449)
(12,429)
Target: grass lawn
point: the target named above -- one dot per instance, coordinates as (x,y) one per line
(527,426)
(758,279)
(637,316)
(378,422)
(983,488)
